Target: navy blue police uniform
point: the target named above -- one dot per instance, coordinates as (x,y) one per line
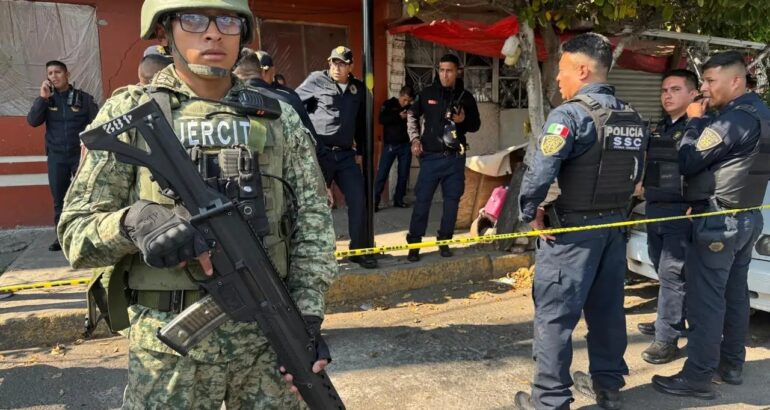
(65,115)
(578,272)
(667,242)
(395,146)
(289,96)
(725,158)
(440,165)
(338,116)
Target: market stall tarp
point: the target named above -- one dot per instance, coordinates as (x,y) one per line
(32,33)
(464,35)
(487,40)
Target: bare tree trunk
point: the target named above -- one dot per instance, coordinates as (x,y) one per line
(619,49)
(551,65)
(534,86)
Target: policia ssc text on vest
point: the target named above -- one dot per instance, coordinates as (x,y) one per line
(246,286)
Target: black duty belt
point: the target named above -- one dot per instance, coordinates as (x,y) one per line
(338,148)
(166,300)
(579,218)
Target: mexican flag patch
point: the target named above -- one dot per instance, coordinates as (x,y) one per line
(557,129)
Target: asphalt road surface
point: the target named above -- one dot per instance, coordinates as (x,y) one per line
(466,346)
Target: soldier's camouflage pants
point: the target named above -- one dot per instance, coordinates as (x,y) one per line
(249,379)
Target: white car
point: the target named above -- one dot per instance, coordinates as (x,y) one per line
(759,270)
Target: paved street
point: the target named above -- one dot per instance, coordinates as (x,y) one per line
(458,347)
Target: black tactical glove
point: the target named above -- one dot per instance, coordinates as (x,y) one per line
(165,239)
(313,324)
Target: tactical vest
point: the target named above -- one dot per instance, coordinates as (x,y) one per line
(603,178)
(662,179)
(205,128)
(739,182)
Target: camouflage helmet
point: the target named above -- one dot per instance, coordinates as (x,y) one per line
(152,10)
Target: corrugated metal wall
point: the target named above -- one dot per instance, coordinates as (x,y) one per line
(640,89)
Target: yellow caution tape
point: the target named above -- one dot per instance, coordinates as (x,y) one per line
(550,231)
(474,239)
(41,285)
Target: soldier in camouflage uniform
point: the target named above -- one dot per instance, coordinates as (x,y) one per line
(115,215)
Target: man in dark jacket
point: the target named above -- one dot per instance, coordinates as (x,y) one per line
(447,112)
(65,111)
(395,144)
(667,241)
(257,70)
(336,100)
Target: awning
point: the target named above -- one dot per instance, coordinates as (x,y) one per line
(464,35)
(487,40)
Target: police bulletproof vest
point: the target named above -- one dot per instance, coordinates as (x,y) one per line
(222,143)
(662,178)
(603,178)
(738,182)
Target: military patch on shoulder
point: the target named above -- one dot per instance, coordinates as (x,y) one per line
(163,79)
(708,139)
(550,144)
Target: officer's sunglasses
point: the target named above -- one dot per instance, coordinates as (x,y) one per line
(199,23)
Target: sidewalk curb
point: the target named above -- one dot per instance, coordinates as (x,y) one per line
(49,329)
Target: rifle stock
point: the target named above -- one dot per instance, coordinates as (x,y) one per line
(246,286)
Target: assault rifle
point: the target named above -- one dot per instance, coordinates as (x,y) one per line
(246,286)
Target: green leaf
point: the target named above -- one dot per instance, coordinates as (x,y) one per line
(412,9)
(599,2)
(701,3)
(668,12)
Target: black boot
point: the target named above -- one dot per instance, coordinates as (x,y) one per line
(444,249)
(55,246)
(606,398)
(366,261)
(730,374)
(678,385)
(660,352)
(414,255)
(647,328)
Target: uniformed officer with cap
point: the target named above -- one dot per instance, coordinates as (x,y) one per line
(256,69)
(437,124)
(336,102)
(725,158)
(594,143)
(663,191)
(154,59)
(65,111)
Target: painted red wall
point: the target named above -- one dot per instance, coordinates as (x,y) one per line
(121,49)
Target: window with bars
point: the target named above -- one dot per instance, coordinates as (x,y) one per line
(487,78)
(300,48)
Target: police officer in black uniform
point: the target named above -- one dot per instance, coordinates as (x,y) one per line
(663,192)
(256,69)
(594,143)
(336,100)
(725,158)
(395,145)
(65,111)
(446,112)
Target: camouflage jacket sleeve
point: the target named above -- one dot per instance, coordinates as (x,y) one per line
(311,251)
(100,194)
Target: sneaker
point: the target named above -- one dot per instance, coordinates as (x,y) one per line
(523,401)
(661,352)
